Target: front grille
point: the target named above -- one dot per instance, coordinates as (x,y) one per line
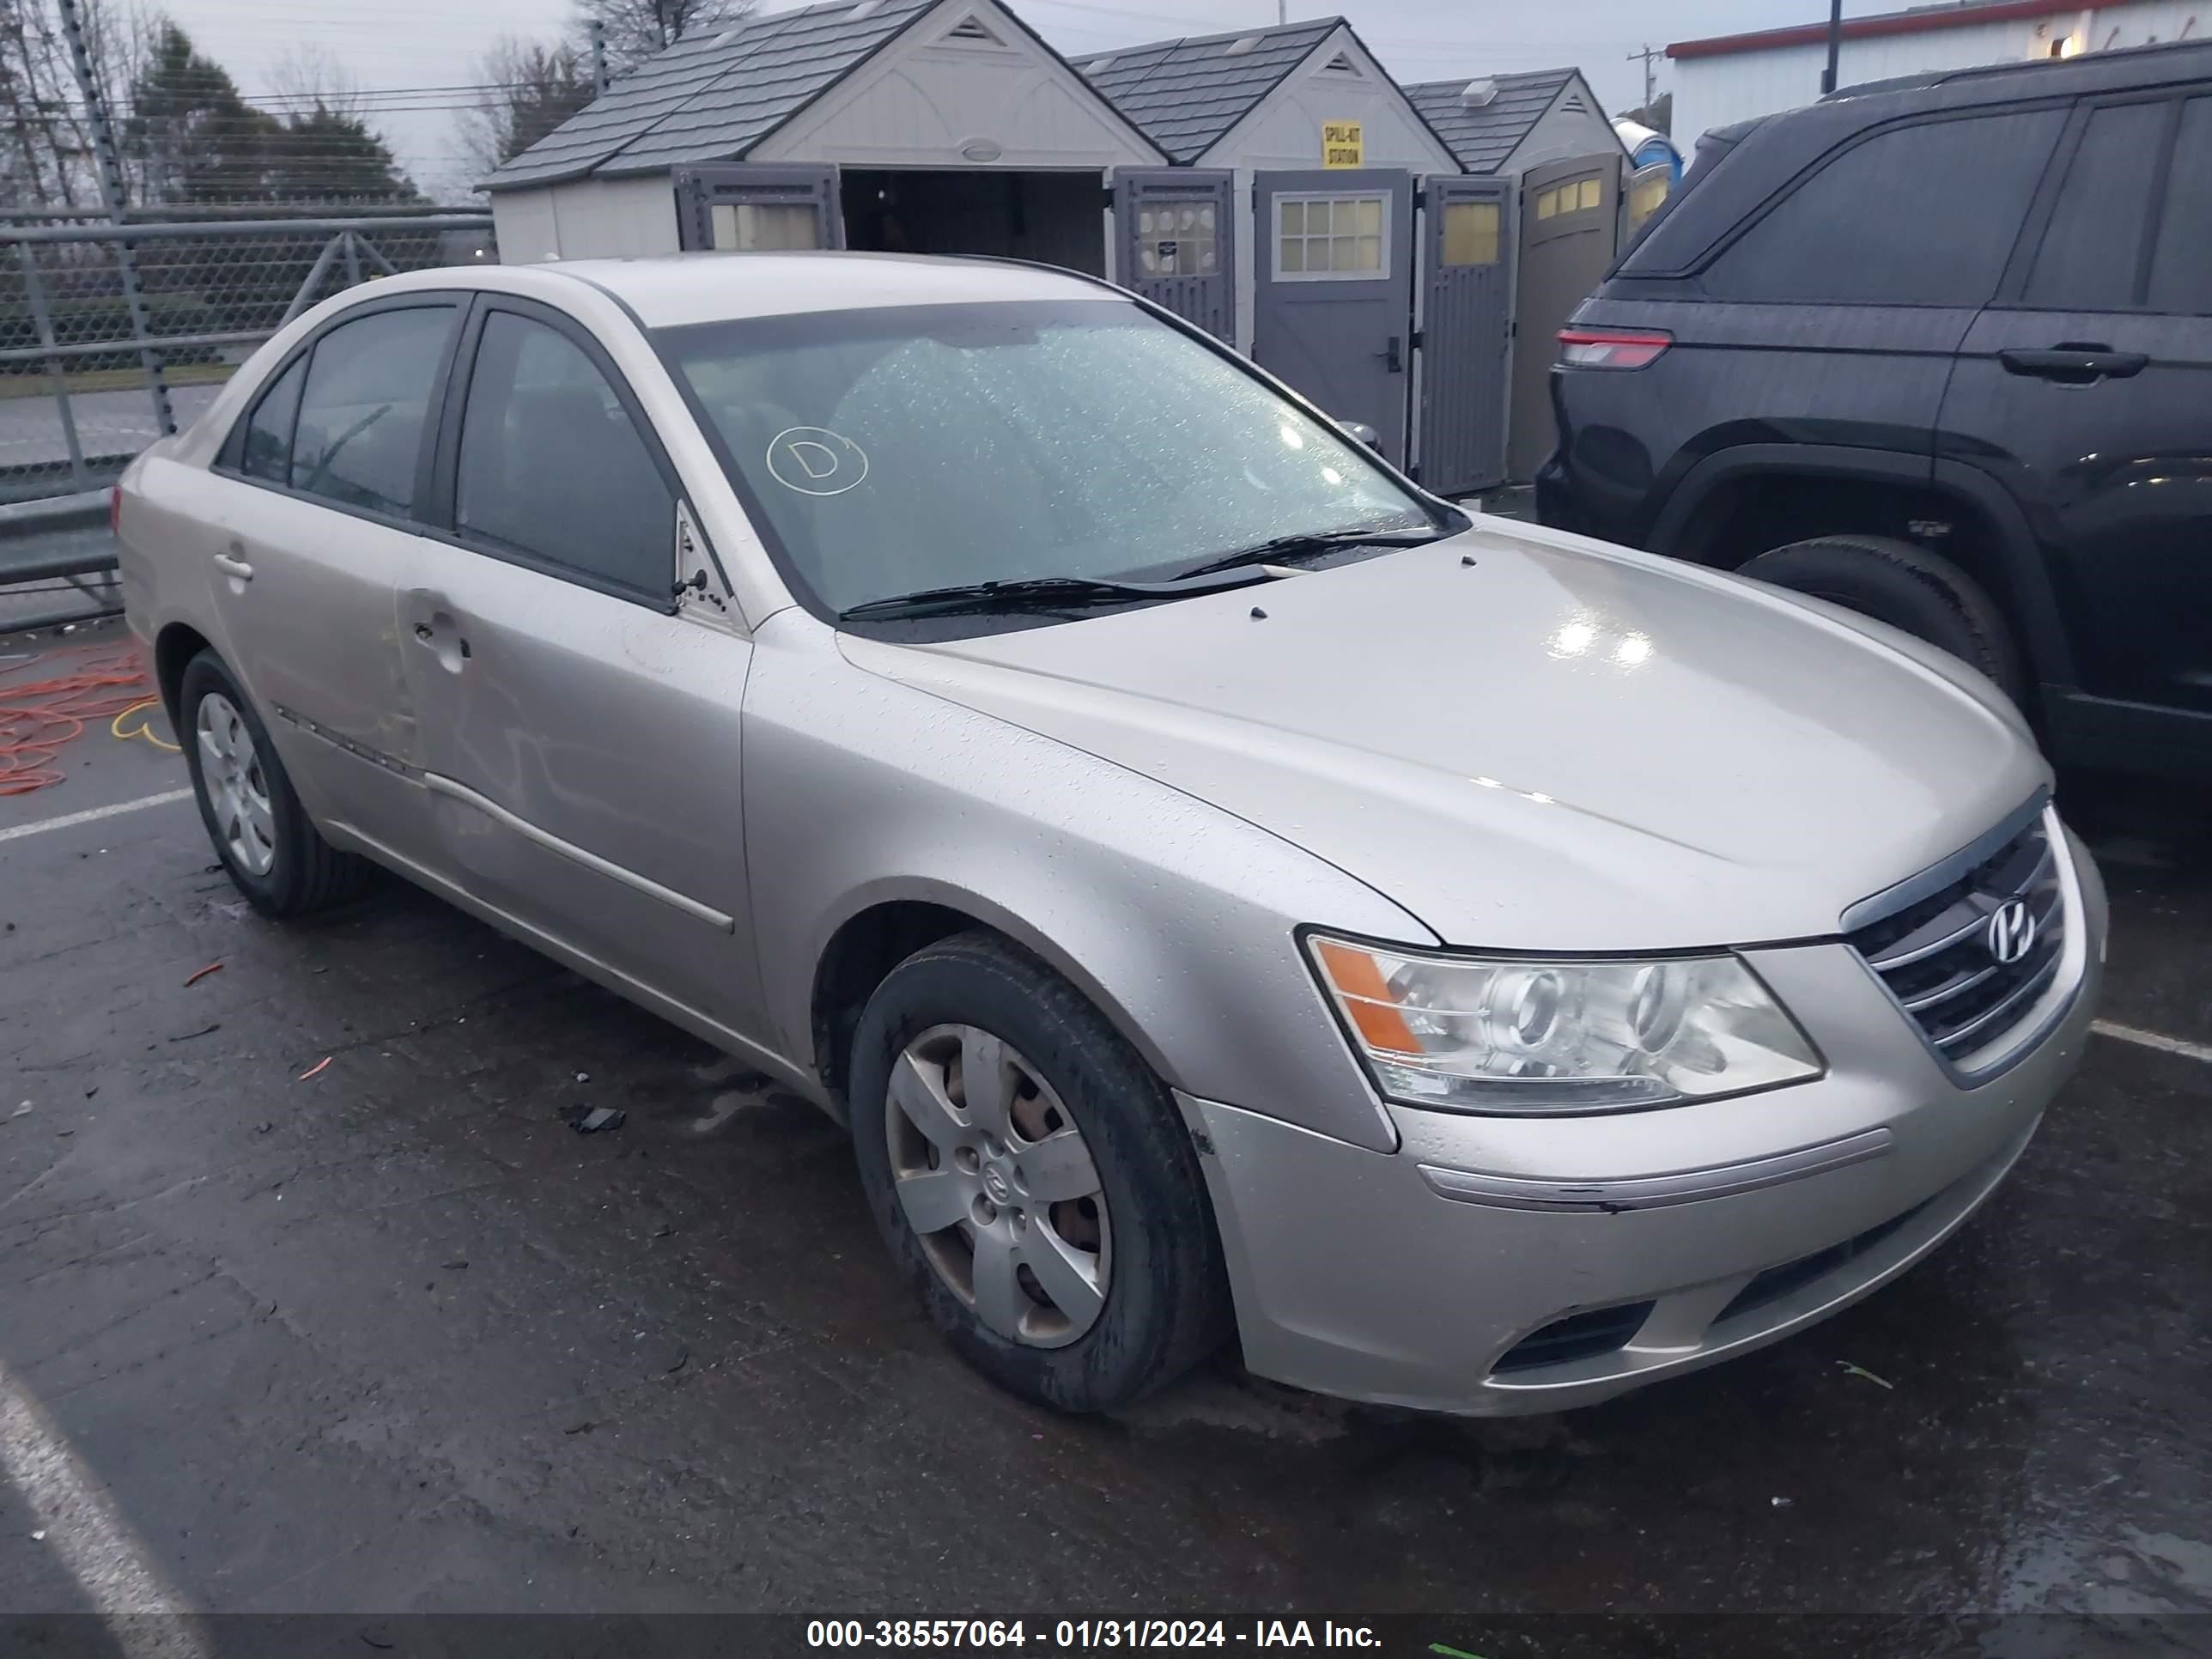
(1937,957)
(1578,1336)
(1781,1281)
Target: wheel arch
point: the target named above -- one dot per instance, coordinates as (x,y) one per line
(1732,505)
(177,644)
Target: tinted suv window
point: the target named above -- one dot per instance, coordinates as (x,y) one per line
(551,465)
(362,414)
(1919,215)
(2090,248)
(267,452)
(2181,268)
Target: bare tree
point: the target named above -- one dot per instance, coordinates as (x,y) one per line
(530,87)
(636,29)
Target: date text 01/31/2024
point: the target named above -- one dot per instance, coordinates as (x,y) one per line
(1084,1634)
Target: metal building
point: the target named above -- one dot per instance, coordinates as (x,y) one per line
(1545,134)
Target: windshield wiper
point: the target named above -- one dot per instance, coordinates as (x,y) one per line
(1026,593)
(1312,546)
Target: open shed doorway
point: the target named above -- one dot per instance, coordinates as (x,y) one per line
(1055,218)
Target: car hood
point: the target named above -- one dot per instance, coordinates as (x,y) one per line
(1558,746)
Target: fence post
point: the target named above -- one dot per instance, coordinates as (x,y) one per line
(111,189)
(306,296)
(34,287)
(353,260)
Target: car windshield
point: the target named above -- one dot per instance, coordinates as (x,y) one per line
(892,450)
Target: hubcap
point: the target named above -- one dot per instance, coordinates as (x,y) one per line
(236,786)
(995,1180)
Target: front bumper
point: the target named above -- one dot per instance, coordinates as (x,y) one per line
(1407,1277)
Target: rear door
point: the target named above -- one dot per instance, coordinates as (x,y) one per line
(2088,388)
(1334,291)
(745,207)
(1569,223)
(1176,242)
(315,509)
(1466,274)
(580,729)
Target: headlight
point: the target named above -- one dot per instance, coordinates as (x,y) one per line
(1461,1034)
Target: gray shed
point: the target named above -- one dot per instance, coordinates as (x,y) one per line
(935,126)
(1545,133)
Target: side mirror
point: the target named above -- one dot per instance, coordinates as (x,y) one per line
(1360,432)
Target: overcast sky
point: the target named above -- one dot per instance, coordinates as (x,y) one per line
(386,44)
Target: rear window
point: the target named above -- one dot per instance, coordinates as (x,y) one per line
(1920,215)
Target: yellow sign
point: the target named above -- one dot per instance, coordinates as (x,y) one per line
(1341,145)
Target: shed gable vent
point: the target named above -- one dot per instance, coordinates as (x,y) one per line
(972,33)
(1479,93)
(1340,64)
(1572,103)
(1242,42)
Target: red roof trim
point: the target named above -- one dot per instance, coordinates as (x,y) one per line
(1895,23)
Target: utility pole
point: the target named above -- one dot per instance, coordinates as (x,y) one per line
(1835,45)
(109,168)
(1282,12)
(1650,55)
(599,33)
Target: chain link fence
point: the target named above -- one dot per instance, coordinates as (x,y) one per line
(113,335)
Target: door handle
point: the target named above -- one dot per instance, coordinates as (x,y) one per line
(1394,355)
(232,566)
(2074,363)
(452,650)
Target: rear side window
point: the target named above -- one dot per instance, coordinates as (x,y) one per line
(267,451)
(2094,240)
(367,396)
(2181,267)
(1923,214)
(552,466)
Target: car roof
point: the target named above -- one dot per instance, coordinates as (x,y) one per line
(2169,60)
(671,290)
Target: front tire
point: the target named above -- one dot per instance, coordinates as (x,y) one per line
(1906,587)
(1033,1179)
(271,849)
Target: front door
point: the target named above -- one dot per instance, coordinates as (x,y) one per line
(2088,388)
(313,504)
(1334,291)
(756,208)
(579,731)
(1176,243)
(1467,317)
(1569,225)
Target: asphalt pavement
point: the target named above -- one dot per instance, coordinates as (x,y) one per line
(390,1337)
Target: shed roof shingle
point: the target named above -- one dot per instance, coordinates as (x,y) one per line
(1483,135)
(1187,94)
(711,98)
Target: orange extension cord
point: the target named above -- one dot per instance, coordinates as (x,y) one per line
(40,718)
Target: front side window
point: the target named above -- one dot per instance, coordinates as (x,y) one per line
(366,400)
(896,450)
(1923,214)
(551,465)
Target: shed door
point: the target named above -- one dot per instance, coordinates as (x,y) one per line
(739,208)
(1466,270)
(1334,306)
(1176,245)
(1570,220)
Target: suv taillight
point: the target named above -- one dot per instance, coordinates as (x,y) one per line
(1610,348)
(115,510)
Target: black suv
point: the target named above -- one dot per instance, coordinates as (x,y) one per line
(1939,350)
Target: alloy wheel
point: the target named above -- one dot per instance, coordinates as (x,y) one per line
(236,784)
(993,1177)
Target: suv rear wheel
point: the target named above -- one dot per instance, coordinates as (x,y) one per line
(1906,587)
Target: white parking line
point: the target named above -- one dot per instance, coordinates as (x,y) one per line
(2153,1040)
(93,814)
(148,1619)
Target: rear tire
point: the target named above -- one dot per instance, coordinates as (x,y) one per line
(270,848)
(1906,587)
(1148,1298)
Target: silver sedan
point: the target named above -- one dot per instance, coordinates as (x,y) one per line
(1225,890)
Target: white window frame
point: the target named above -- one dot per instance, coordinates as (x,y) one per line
(1307,197)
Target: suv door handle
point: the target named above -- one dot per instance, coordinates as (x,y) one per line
(233,567)
(2075,363)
